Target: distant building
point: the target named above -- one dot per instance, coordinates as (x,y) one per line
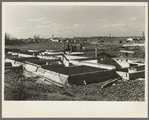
(94,41)
(54,40)
(129,39)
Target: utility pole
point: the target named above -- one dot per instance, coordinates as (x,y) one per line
(143,35)
(110,37)
(96,51)
(63,45)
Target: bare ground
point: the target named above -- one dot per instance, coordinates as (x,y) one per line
(17,87)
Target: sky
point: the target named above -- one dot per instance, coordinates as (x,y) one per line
(25,21)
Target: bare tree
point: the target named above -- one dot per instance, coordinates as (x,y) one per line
(7,36)
(36,37)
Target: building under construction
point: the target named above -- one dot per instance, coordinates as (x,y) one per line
(70,68)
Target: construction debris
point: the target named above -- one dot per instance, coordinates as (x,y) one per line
(111,81)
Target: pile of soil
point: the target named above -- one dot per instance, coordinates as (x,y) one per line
(17,87)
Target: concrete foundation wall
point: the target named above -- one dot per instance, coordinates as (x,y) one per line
(139,74)
(139,68)
(45,57)
(77,62)
(8,64)
(123,75)
(133,65)
(76,75)
(75,70)
(122,63)
(10,56)
(91,61)
(30,68)
(22,59)
(53,76)
(38,62)
(92,77)
(69,57)
(44,62)
(48,67)
(105,66)
(28,74)
(13,53)
(135,69)
(97,65)
(25,55)
(13,62)
(127,75)
(123,70)
(139,64)
(54,53)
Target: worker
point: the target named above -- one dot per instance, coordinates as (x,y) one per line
(80,47)
(64,49)
(75,48)
(71,48)
(126,54)
(68,48)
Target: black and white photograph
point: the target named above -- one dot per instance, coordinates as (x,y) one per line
(88,58)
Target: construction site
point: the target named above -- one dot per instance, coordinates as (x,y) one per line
(49,71)
(74,52)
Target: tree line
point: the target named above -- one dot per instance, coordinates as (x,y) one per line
(10,40)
